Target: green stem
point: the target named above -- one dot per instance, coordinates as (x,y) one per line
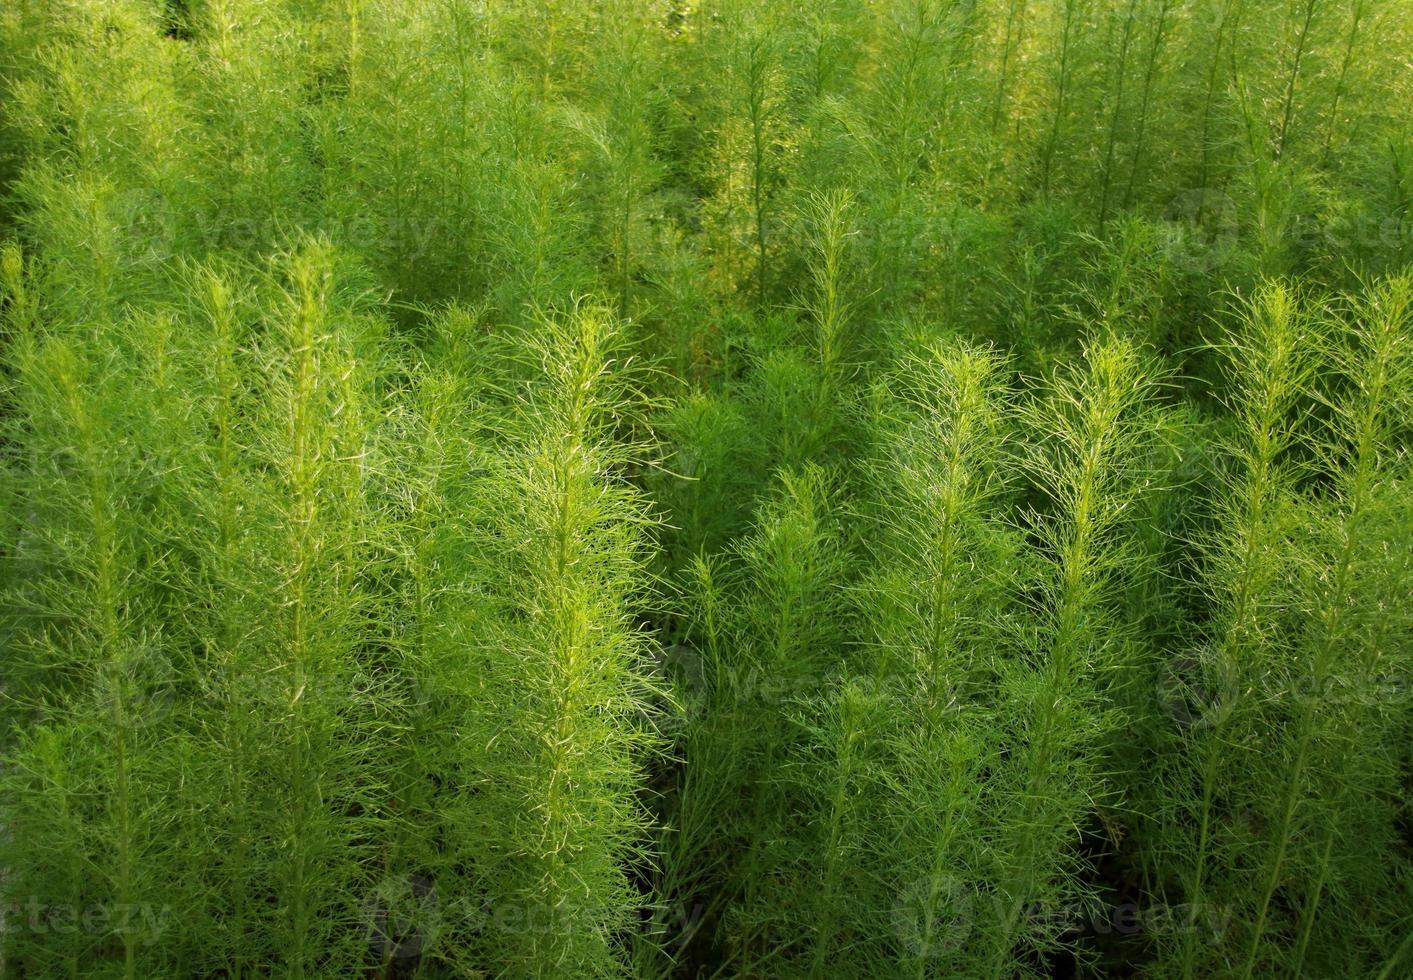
(1288,107)
(1122,69)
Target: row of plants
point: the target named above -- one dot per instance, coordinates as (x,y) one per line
(705,489)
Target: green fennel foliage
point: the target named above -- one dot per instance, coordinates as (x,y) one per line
(705,488)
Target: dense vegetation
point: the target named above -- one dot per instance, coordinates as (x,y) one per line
(653,488)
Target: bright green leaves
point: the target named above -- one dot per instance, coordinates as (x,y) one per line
(563,554)
(999,627)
